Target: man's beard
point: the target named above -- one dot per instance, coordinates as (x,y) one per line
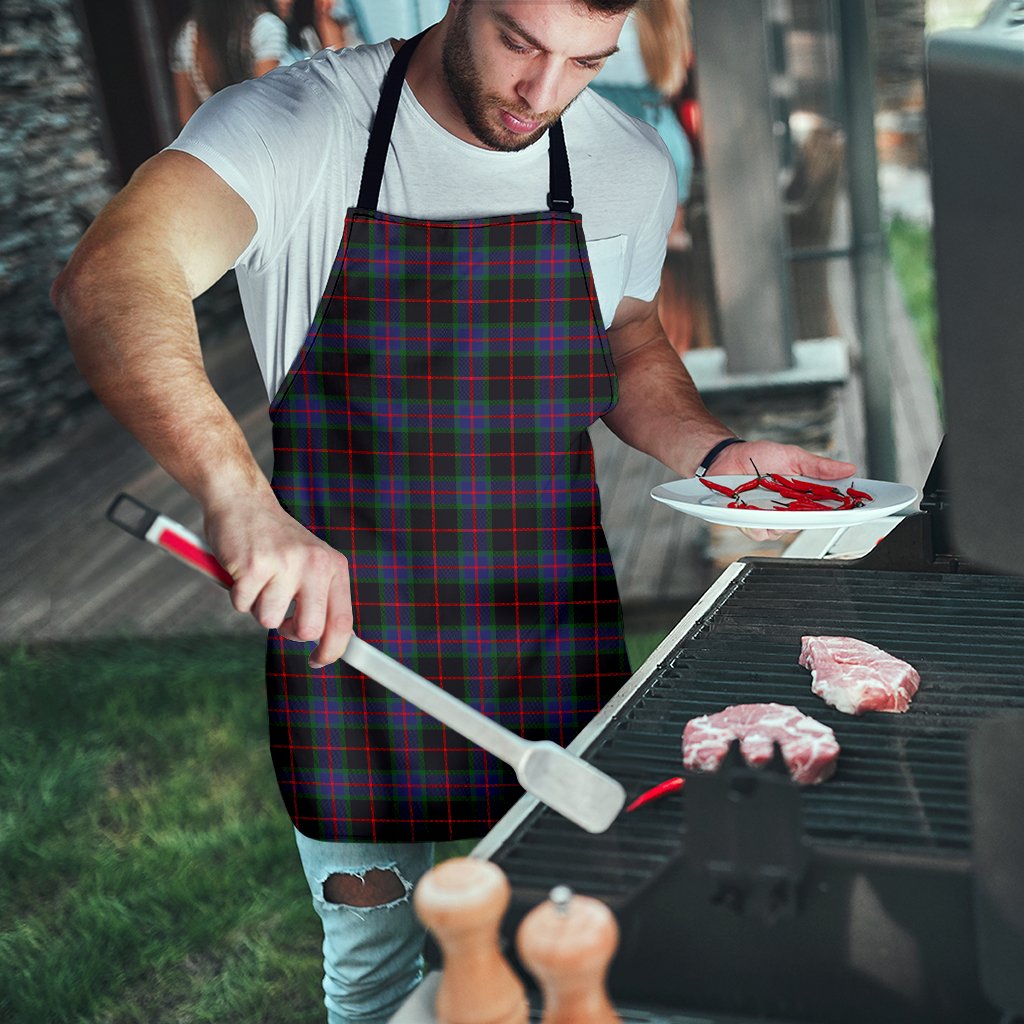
(464,83)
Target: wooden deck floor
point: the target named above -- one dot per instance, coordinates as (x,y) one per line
(69,574)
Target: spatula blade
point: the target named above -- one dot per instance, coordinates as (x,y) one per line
(574,788)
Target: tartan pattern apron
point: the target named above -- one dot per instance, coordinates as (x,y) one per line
(434,429)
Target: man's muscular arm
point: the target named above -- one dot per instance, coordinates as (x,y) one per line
(126,300)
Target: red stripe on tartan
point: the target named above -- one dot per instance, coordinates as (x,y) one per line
(443,376)
(288,726)
(519,603)
(555,532)
(433,507)
(473,471)
(480,823)
(538,217)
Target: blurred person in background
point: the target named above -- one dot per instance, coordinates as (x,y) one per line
(645,78)
(313,25)
(372,21)
(221,43)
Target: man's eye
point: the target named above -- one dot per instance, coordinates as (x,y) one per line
(514,47)
(590,65)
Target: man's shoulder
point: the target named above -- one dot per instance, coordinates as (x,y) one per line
(302,104)
(354,71)
(602,128)
(596,121)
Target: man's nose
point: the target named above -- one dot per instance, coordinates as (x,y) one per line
(538,89)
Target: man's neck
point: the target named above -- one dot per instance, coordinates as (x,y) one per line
(427,81)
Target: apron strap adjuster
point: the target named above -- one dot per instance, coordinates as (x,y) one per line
(560,205)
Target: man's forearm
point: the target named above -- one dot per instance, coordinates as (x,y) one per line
(660,411)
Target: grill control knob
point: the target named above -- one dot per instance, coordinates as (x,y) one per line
(462,902)
(567,944)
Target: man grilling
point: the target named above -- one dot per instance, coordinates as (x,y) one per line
(433,358)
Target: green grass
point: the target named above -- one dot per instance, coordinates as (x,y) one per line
(910,248)
(147,867)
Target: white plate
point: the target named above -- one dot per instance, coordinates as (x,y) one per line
(693,498)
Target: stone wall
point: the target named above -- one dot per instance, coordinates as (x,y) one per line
(53,180)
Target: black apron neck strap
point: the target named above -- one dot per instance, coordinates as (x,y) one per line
(383,122)
(560,194)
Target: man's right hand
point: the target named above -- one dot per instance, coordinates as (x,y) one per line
(276,562)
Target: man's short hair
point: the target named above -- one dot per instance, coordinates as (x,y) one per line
(609,7)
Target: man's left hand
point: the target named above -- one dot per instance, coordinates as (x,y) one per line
(772,457)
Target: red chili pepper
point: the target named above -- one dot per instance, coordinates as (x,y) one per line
(793,485)
(728,492)
(809,487)
(656,793)
(788,492)
(862,495)
(749,485)
(808,505)
(770,484)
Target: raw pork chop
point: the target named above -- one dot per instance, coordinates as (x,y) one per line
(855,677)
(809,748)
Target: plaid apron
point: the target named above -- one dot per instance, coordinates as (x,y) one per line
(434,429)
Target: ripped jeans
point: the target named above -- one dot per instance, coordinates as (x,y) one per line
(373,944)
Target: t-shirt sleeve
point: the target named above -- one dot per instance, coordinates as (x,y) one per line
(268,139)
(269,38)
(652,236)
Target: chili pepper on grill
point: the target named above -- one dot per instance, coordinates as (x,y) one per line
(656,793)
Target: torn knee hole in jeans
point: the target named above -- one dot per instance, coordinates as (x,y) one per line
(377,887)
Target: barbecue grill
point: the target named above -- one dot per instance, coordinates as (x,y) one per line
(746,897)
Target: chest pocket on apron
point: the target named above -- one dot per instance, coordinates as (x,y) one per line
(608,265)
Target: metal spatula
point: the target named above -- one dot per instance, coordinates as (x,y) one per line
(567,784)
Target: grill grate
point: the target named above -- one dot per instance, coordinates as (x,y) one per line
(901,787)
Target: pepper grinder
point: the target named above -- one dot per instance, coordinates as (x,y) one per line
(567,943)
(462,901)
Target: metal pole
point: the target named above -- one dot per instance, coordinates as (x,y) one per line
(868,241)
(741,163)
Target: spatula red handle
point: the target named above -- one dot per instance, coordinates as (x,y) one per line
(147,524)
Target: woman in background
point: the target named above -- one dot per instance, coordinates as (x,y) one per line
(648,72)
(224,42)
(312,26)
(645,79)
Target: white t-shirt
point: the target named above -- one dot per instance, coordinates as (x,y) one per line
(292,143)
